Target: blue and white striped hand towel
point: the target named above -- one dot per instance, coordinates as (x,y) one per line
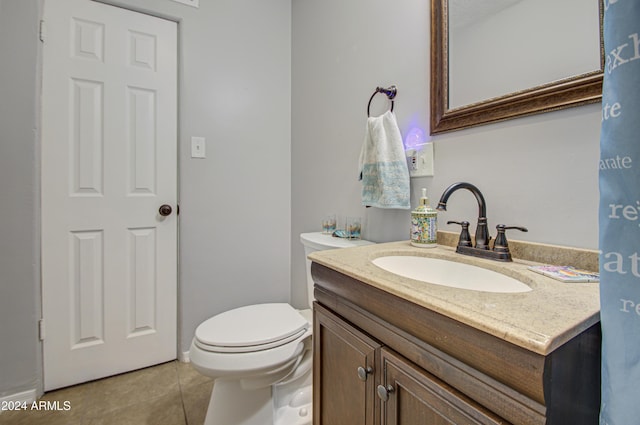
(383,165)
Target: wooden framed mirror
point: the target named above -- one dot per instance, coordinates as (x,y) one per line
(454,106)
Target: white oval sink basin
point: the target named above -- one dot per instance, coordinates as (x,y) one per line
(450,273)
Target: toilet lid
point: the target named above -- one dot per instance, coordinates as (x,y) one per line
(251,328)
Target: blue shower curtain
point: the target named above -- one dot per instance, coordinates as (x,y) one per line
(620,215)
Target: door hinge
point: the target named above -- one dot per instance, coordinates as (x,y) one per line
(43,31)
(41,333)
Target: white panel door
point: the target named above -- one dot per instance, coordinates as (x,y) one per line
(109,161)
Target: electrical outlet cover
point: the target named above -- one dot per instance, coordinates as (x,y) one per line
(420,161)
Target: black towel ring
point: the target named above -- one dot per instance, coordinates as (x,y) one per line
(389,92)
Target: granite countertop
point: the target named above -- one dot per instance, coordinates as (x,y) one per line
(540,320)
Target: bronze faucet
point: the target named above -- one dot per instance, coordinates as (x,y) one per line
(481,248)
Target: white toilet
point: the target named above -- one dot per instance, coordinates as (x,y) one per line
(260,356)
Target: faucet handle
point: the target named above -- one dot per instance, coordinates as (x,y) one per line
(501,245)
(465,237)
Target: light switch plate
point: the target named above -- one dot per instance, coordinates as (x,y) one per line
(198,147)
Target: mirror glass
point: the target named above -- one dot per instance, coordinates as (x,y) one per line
(497,59)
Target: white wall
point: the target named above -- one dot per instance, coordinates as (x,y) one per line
(234,88)
(20,359)
(539,172)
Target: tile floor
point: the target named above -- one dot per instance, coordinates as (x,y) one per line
(168,394)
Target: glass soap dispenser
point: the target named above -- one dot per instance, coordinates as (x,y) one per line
(424,224)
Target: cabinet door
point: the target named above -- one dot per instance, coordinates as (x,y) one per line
(343,372)
(412,396)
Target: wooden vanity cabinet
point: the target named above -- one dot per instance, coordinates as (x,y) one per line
(411,396)
(345,361)
(382,360)
(362,382)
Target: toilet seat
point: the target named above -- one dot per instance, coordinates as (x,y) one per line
(251,328)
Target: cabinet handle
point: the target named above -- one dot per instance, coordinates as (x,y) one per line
(362,373)
(384,392)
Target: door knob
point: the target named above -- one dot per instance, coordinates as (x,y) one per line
(384,392)
(165,210)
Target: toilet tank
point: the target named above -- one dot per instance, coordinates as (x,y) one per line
(318,241)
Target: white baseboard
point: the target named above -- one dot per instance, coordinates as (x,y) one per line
(27,397)
(184,357)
